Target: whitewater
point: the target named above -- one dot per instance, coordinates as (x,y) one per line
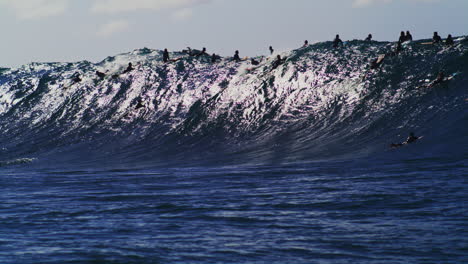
(228,162)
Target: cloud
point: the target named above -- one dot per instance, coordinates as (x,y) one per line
(34,9)
(119,6)
(182,14)
(364,3)
(113,27)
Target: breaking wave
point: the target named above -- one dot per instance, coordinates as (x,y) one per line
(320,104)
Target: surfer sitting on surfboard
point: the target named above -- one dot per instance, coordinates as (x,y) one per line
(236,57)
(337,41)
(436,38)
(278,62)
(402,37)
(408,36)
(449,40)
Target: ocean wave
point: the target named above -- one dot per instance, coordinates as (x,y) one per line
(321,103)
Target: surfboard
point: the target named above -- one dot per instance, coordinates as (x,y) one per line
(426,43)
(380,58)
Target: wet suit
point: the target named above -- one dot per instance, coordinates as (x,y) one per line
(201,53)
(337,41)
(399,47)
(236,57)
(129,68)
(369,38)
(436,38)
(254,62)
(214,58)
(100,74)
(408,36)
(76,78)
(411,139)
(278,62)
(449,41)
(439,79)
(402,37)
(165,55)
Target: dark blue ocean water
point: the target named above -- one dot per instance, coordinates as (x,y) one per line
(230,163)
(406,211)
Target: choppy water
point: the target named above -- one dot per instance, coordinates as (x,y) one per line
(225,165)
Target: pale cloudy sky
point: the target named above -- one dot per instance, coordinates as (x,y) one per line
(72,30)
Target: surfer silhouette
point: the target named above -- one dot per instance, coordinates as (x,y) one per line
(306,43)
(236,57)
(76,78)
(402,37)
(436,38)
(100,74)
(411,139)
(214,58)
(449,41)
(337,41)
(201,53)
(165,55)
(254,61)
(408,36)
(129,68)
(278,62)
(369,38)
(271,50)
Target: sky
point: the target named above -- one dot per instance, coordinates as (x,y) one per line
(76,30)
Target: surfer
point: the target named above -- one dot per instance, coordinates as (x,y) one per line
(398,48)
(271,50)
(439,79)
(369,38)
(306,44)
(337,41)
(165,56)
(436,38)
(254,62)
(201,53)
(214,58)
(411,139)
(100,74)
(402,37)
(140,104)
(129,68)
(278,62)
(76,78)
(408,36)
(236,57)
(449,40)
(188,51)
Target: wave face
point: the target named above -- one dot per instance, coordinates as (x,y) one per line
(320,104)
